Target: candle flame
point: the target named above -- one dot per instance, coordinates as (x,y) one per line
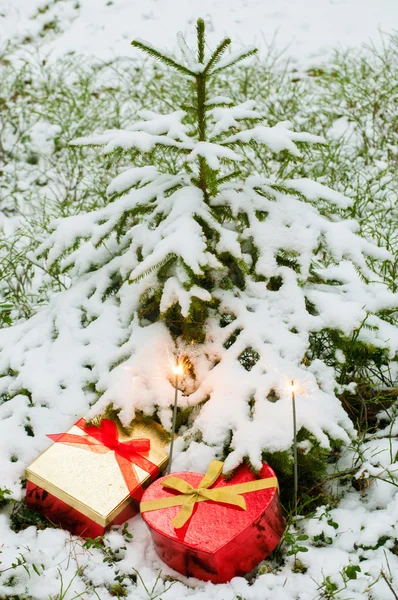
(178,369)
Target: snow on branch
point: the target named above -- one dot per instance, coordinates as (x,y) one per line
(153,129)
(235,57)
(219,100)
(225,118)
(313,190)
(277,138)
(113,139)
(174,292)
(131,177)
(97,224)
(271,267)
(187,54)
(213,153)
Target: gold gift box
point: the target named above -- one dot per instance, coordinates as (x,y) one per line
(85,491)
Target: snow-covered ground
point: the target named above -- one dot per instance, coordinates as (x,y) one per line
(360,530)
(307,29)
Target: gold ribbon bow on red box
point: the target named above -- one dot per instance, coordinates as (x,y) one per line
(188,496)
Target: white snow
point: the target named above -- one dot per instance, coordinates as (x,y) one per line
(229,117)
(73,343)
(277,138)
(314,190)
(130,177)
(212,153)
(307,29)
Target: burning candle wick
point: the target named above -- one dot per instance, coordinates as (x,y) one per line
(178,369)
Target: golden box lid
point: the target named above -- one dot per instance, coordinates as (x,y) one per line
(93,483)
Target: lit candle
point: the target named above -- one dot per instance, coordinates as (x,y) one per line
(178,369)
(293,388)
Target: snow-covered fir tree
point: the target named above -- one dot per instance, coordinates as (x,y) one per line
(251,280)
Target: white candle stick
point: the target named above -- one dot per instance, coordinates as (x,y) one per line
(293,388)
(177,370)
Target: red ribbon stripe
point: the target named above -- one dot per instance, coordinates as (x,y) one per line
(105,438)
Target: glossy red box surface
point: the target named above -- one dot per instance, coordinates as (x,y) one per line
(220,541)
(60,513)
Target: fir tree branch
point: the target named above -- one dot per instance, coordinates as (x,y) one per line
(360,274)
(189,108)
(219,51)
(167,60)
(228,177)
(234,62)
(200,29)
(201,109)
(159,265)
(217,105)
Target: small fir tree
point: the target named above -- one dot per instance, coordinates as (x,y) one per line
(251,281)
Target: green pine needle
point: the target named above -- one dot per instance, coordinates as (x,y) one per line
(159,265)
(228,177)
(219,51)
(234,62)
(200,29)
(167,60)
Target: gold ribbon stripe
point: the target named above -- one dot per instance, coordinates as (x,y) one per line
(189,496)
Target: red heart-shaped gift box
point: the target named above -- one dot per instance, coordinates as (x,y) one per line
(219,540)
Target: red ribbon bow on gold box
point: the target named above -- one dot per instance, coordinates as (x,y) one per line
(94,477)
(105,438)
